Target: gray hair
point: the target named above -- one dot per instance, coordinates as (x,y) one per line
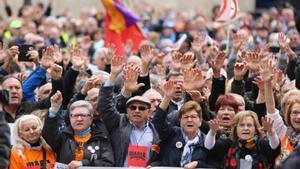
(82,103)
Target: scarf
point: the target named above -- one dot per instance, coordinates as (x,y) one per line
(294,137)
(243,148)
(188,149)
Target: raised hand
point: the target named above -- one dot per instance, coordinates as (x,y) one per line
(239,71)
(89,84)
(131,74)
(111,49)
(214,125)
(196,95)
(56,99)
(57,54)
(193,79)
(267,124)
(56,72)
(12,52)
(47,60)
(117,64)
(267,70)
(217,64)
(169,89)
(282,41)
(146,57)
(259,82)
(176,56)
(76,58)
(252,61)
(22,76)
(187,60)
(33,56)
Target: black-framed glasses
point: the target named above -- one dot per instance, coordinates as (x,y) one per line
(141,108)
(75,116)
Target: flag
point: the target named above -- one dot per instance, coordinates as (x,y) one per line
(228,11)
(120,26)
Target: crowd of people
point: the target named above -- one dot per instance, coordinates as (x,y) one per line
(195,95)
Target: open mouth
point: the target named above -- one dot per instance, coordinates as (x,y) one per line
(226,118)
(190,125)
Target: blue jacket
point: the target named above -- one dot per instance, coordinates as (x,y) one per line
(36,79)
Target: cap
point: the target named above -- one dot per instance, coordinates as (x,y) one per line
(15,24)
(168,24)
(139,99)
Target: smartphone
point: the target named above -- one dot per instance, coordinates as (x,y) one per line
(23,49)
(274,49)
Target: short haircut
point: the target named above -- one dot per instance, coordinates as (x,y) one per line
(82,103)
(227,100)
(241,116)
(173,74)
(9,77)
(188,106)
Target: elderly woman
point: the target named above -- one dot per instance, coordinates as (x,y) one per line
(83,143)
(287,129)
(246,147)
(226,108)
(30,150)
(184,145)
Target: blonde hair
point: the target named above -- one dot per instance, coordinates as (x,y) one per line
(287,115)
(21,144)
(241,116)
(41,113)
(286,100)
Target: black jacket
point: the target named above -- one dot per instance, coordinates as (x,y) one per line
(4,142)
(64,145)
(171,136)
(119,128)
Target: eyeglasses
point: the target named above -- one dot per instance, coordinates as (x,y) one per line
(295,113)
(75,116)
(185,117)
(141,108)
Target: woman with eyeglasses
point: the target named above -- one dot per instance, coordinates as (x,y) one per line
(82,143)
(30,149)
(288,128)
(184,145)
(248,147)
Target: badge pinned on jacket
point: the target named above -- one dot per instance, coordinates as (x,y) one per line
(178,144)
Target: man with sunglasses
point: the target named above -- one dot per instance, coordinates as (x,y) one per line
(134,139)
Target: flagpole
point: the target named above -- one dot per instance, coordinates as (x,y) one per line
(228,30)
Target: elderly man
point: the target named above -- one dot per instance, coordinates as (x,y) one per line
(134,139)
(83,143)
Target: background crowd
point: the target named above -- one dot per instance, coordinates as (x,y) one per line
(194,94)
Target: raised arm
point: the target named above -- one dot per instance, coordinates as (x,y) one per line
(164,129)
(106,103)
(267,75)
(51,132)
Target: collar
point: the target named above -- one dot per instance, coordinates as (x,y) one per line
(84,133)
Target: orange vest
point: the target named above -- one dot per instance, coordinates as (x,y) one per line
(33,159)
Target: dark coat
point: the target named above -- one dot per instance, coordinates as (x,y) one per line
(64,145)
(119,128)
(172,135)
(4,142)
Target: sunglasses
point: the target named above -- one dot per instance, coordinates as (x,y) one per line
(141,108)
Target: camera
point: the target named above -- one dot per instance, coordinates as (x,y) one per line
(4,96)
